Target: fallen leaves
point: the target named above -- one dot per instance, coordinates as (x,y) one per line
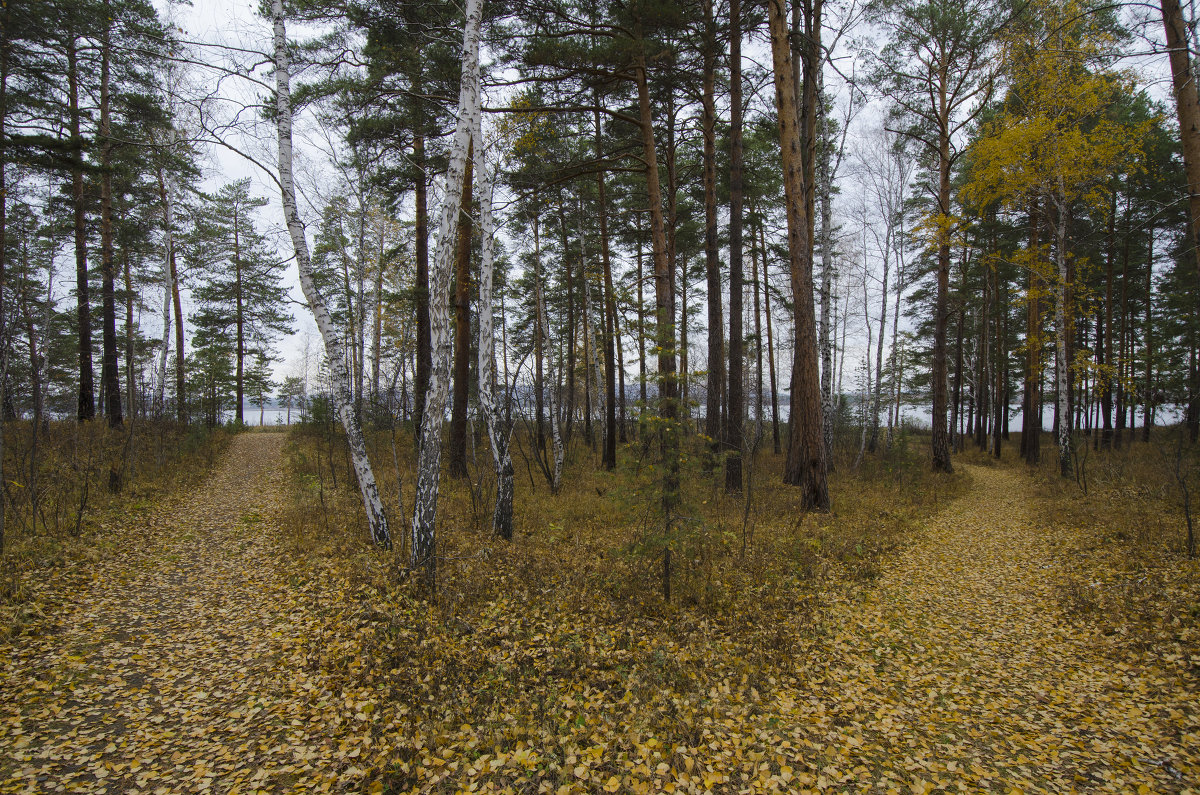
(202,661)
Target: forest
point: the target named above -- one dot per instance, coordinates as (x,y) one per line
(599,395)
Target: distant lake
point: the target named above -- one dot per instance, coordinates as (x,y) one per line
(271,415)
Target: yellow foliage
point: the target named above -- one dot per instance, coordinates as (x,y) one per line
(1054,136)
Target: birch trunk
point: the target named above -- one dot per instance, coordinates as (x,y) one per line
(499,429)
(1062,429)
(556,433)
(877,401)
(376,520)
(825,342)
(164,189)
(429,458)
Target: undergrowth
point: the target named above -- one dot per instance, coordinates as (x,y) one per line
(1129,578)
(69,485)
(561,641)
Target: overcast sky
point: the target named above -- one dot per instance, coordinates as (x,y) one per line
(235,22)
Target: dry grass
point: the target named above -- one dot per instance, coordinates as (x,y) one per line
(65,494)
(1130,574)
(524,634)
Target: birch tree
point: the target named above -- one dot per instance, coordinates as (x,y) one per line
(1056,141)
(499,427)
(376,519)
(429,457)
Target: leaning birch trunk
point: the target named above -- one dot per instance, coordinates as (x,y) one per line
(499,430)
(376,519)
(877,404)
(1063,375)
(429,458)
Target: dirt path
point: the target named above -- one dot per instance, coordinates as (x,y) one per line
(963,652)
(183,669)
(167,675)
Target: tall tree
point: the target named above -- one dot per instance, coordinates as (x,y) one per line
(240,293)
(806,465)
(714,403)
(456,448)
(737,401)
(430,453)
(499,424)
(1056,141)
(376,518)
(1187,106)
(935,67)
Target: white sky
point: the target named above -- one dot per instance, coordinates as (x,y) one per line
(236,22)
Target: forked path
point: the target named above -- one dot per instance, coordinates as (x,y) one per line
(182,668)
(961,670)
(170,674)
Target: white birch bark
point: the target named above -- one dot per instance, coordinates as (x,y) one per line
(1063,375)
(376,519)
(897,353)
(167,186)
(498,429)
(429,458)
(589,331)
(556,433)
(825,338)
(160,398)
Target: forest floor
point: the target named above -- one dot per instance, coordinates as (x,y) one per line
(200,660)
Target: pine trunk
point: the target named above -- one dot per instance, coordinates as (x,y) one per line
(421,287)
(610,316)
(1187,105)
(664,304)
(1148,349)
(940,441)
(806,461)
(712,261)
(110,380)
(457,448)
(130,392)
(86,404)
(734,438)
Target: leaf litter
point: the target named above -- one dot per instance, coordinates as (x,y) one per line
(204,660)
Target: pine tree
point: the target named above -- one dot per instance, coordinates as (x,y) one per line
(935,67)
(239,292)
